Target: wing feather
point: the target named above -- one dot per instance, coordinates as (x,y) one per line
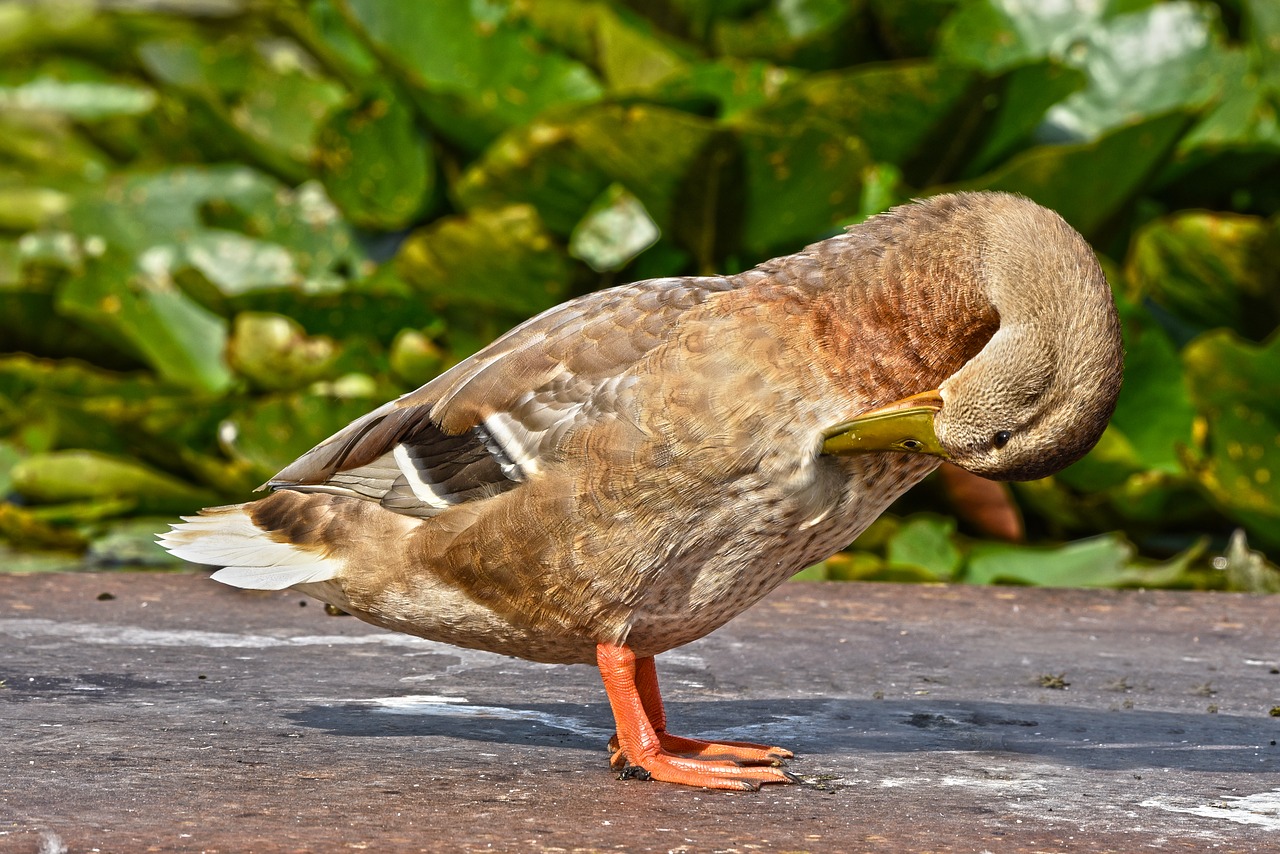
(493,421)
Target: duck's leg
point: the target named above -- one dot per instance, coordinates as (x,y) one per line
(642,745)
(744,752)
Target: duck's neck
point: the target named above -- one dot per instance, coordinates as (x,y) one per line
(904,306)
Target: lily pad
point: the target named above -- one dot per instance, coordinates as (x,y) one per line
(628,52)
(801,181)
(1105,561)
(269,433)
(815,34)
(735,86)
(652,151)
(275,353)
(415,358)
(615,230)
(62,476)
(898,109)
(376,163)
(84,100)
(1000,34)
(539,164)
(1026,94)
(493,259)
(926,541)
(137,306)
(1232,384)
(131,544)
(1163,58)
(1154,414)
(266,91)
(1140,58)
(473,70)
(1088,183)
(1210,269)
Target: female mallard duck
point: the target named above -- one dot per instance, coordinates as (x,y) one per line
(632,469)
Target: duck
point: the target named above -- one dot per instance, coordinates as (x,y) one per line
(629,470)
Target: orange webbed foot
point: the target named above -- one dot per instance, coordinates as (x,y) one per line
(741,752)
(643,748)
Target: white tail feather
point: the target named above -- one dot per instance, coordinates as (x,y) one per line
(250,557)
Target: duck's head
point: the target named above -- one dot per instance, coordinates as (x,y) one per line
(1039,394)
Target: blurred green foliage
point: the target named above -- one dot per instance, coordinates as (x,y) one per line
(228,227)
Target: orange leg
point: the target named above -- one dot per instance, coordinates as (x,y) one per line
(643,743)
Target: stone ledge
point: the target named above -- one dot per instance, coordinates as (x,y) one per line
(180,715)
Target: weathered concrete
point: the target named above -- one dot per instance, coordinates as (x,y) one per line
(185,716)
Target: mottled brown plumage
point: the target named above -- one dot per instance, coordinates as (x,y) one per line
(632,469)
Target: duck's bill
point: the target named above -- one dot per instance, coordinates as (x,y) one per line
(905,425)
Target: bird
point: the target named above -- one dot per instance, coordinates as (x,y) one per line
(627,471)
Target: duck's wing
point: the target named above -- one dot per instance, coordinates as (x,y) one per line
(494,420)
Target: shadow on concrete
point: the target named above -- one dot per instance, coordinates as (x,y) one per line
(1084,738)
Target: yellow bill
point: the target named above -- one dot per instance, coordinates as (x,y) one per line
(905,425)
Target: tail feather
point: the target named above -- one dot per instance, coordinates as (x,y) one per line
(249,556)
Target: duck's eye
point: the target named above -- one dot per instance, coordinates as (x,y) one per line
(1001,439)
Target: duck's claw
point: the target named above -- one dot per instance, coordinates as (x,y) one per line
(641,747)
(707,773)
(745,753)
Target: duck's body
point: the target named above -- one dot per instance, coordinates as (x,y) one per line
(634,468)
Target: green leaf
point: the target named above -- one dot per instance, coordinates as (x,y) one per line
(1027,94)
(1143,64)
(1247,570)
(653,151)
(1262,26)
(1154,413)
(184,217)
(84,100)
(863,566)
(139,307)
(615,230)
(539,164)
(473,71)
(911,27)
(190,66)
(804,33)
(1107,465)
(629,53)
(736,86)
(9,457)
(25,208)
(265,93)
(235,264)
(996,35)
(1233,386)
(925,541)
(276,353)
(1088,183)
(415,358)
(898,108)
(1140,58)
(47,151)
(283,109)
(271,432)
(1104,561)
(376,164)
(1096,562)
(130,544)
(802,179)
(494,259)
(61,476)
(1210,269)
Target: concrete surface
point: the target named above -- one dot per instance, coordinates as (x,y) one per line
(168,713)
